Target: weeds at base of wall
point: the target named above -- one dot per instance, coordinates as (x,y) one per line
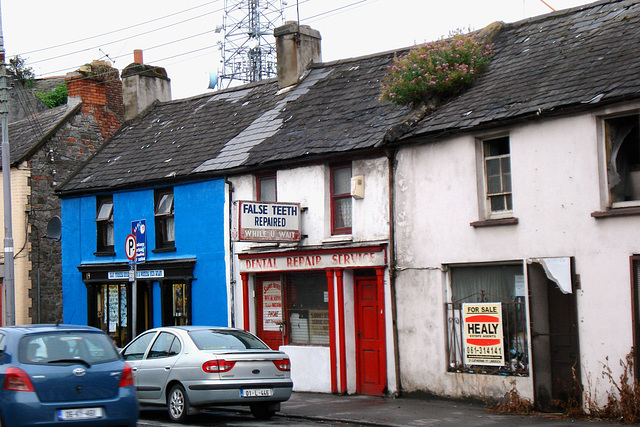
(624,405)
(623,402)
(513,403)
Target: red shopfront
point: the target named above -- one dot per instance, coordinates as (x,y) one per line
(300,300)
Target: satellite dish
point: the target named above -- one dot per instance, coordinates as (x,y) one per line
(213,80)
(54,228)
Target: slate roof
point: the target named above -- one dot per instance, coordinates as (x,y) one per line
(333,110)
(27,135)
(580,57)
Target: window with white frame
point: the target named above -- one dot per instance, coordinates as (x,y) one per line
(497,176)
(164,219)
(498,287)
(341,199)
(104,223)
(266,187)
(622,145)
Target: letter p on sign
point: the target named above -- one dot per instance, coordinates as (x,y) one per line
(130,246)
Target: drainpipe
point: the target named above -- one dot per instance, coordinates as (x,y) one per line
(232,279)
(391,162)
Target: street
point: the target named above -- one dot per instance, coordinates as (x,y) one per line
(227,417)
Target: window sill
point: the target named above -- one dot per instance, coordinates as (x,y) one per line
(162,250)
(616,212)
(104,253)
(494,222)
(338,238)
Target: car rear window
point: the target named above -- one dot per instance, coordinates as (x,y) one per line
(218,339)
(43,348)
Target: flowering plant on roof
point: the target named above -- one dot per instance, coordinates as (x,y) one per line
(437,69)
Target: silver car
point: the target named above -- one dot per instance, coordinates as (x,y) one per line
(192,367)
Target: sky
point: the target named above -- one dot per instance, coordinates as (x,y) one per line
(57,37)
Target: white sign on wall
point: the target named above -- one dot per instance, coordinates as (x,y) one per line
(266,222)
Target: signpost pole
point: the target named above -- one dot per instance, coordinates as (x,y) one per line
(134,299)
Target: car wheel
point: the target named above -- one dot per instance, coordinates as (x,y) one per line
(262,411)
(178,404)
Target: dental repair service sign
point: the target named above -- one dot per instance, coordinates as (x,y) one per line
(482,334)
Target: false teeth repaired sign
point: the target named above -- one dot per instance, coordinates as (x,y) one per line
(266,222)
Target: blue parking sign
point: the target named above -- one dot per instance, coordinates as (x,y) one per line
(139,229)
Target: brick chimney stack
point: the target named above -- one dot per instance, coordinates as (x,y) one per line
(297,46)
(99,88)
(143,85)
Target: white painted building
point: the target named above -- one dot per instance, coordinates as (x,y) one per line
(524,191)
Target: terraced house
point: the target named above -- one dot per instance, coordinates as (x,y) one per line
(463,247)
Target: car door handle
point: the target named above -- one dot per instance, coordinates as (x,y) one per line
(134,368)
(167,368)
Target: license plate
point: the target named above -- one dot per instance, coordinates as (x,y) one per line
(260,392)
(79,414)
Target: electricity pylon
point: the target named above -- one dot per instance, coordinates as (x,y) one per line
(248,47)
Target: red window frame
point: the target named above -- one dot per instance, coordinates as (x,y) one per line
(335,197)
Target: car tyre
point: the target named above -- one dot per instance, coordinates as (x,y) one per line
(178,404)
(262,411)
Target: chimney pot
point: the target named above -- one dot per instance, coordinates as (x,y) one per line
(137,56)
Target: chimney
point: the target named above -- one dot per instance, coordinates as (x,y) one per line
(142,85)
(297,46)
(98,87)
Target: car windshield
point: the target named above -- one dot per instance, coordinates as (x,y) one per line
(220,339)
(51,347)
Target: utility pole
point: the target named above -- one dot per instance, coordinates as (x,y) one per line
(9,302)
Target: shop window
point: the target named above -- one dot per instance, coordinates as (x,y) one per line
(307,309)
(112,311)
(622,139)
(293,309)
(165,228)
(104,223)
(341,199)
(486,320)
(266,188)
(176,303)
(497,176)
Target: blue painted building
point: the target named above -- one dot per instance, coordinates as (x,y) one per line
(182,280)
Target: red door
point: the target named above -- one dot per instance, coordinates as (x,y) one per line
(270,311)
(371,371)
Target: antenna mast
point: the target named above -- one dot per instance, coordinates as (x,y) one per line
(248,48)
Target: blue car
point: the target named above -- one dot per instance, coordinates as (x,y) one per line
(63,375)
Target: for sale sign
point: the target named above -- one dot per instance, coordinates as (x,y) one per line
(482,334)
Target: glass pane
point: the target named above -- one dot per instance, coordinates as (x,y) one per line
(506,165)
(506,183)
(493,167)
(109,233)
(105,211)
(268,190)
(165,205)
(341,181)
(342,214)
(497,203)
(170,229)
(308,309)
(509,203)
(220,339)
(494,185)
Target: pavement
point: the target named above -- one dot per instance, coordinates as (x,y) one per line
(410,411)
